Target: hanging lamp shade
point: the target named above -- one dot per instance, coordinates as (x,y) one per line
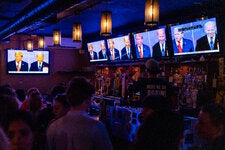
(106,23)
(151,12)
(41,43)
(77,32)
(56,37)
(29,44)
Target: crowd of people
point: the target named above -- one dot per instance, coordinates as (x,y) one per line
(29,123)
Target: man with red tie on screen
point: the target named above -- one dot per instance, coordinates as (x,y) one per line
(180,44)
(18,64)
(142,50)
(210,40)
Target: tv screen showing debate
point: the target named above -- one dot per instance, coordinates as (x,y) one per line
(27,62)
(197,37)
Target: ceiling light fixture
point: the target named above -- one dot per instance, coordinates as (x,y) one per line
(41,42)
(56,37)
(106,23)
(151,12)
(29,44)
(77,32)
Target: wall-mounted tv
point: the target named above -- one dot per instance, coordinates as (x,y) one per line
(120,49)
(27,61)
(197,37)
(151,44)
(97,51)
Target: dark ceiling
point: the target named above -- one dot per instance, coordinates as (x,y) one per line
(41,17)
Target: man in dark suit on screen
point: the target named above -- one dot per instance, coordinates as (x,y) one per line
(92,54)
(180,44)
(126,52)
(17,64)
(113,52)
(102,54)
(39,65)
(159,49)
(210,40)
(142,50)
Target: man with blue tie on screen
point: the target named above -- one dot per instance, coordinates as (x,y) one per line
(159,49)
(39,65)
(113,52)
(209,41)
(142,50)
(102,53)
(126,51)
(180,44)
(18,64)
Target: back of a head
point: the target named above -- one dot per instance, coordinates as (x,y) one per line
(156,102)
(79,89)
(20,115)
(160,131)
(216,113)
(7,104)
(62,98)
(152,66)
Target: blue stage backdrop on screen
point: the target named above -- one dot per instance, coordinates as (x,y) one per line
(120,48)
(197,37)
(27,62)
(151,44)
(97,51)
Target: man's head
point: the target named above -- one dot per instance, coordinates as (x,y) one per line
(127,41)
(178,34)
(139,39)
(102,45)
(161,36)
(18,56)
(211,121)
(79,91)
(40,57)
(152,66)
(154,103)
(90,48)
(111,44)
(210,28)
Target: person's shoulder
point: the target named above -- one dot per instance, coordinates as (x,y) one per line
(24,62)
(33,62)
(11,62)
(187,40)
(202,38)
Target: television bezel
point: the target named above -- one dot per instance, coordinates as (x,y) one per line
(31,60)
(151,40)
(120,39)
(194,26)
(97,48)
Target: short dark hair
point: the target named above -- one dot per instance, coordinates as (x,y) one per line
(156,102)
(152,66)
(216,113)
(61,98)
(20,115)
(78,90)
(160,131)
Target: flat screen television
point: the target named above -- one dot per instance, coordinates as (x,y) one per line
(199,37)
(27,61)
(120,48)
(97,51)
(151,43)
